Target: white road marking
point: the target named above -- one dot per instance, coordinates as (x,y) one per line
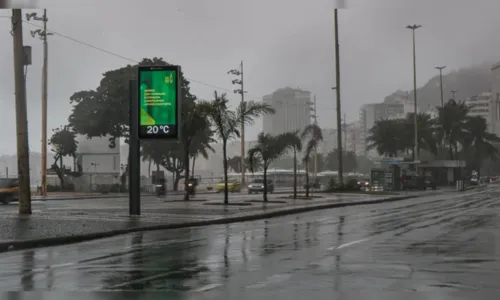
(348,244)
(208,287)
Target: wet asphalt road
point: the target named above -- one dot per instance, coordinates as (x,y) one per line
(441,247)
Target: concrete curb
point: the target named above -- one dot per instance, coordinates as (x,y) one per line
(107,196)
(56,241)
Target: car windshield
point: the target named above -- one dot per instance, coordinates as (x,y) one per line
(258,181)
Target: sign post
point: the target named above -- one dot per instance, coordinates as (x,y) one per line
(155,113)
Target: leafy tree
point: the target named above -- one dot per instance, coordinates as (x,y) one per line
(364,164)
(167,154)
(196,137)
(63,142)
(105,110)
(226,123)
(349,161)
(234,163)
(294,141)
(313,134)
(388,137)
(268,149)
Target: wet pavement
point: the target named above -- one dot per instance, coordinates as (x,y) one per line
(60,218)
(437,248)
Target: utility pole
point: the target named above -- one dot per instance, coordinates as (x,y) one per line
(453,92)
(415,116)
(441,83)
(42,34)
(23,160)
(345,133)
(314,116)
(337,89)
(241,91)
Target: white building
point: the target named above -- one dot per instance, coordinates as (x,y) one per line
(495,100)
(99,161)
(481,106)
(293,111)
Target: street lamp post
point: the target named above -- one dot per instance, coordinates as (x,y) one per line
(337,90)
(415,116)
(239,82)
(453,92)
(441,83)
(43,34)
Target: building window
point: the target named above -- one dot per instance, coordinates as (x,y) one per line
(115,162)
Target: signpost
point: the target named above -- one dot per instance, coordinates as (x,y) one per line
(155,113)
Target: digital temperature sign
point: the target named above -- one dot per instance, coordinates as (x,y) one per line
(159,102)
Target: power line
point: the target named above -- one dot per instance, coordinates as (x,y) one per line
(117,55)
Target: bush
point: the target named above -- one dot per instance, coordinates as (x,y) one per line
(68,187)
(352,185)
(110,188)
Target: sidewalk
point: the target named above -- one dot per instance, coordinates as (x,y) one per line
(82,195)
(54,222)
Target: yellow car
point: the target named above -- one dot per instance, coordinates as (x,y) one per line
(9,190)
(233,186)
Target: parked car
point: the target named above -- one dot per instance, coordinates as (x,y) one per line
(413,182)
(257,186)
(233,186)
(9,190)
(364,183)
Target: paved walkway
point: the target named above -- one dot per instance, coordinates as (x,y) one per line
(56,219)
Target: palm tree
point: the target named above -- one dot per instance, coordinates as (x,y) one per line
(388,137)
(201,145)
(295,142)
(427,137)
(313,134)
(268,149)
(195,138)
(227,123)
(479,142)
(451,123)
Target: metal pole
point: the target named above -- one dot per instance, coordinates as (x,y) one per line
(134,166)
(243,165)
(415,116)
(315,149)
(453,92)
(441,83)
(23,162)
(337,89)
(44,105)
(345,133)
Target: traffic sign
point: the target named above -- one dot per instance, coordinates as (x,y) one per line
(159,102)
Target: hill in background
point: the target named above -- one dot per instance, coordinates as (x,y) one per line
(467,81)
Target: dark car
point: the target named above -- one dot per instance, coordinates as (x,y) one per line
(257,186)
(9,190)
(412,182)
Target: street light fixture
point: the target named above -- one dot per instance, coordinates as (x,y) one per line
(239,82)
(415,151)
(43,34)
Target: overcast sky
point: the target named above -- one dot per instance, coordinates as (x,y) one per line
(282,42)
